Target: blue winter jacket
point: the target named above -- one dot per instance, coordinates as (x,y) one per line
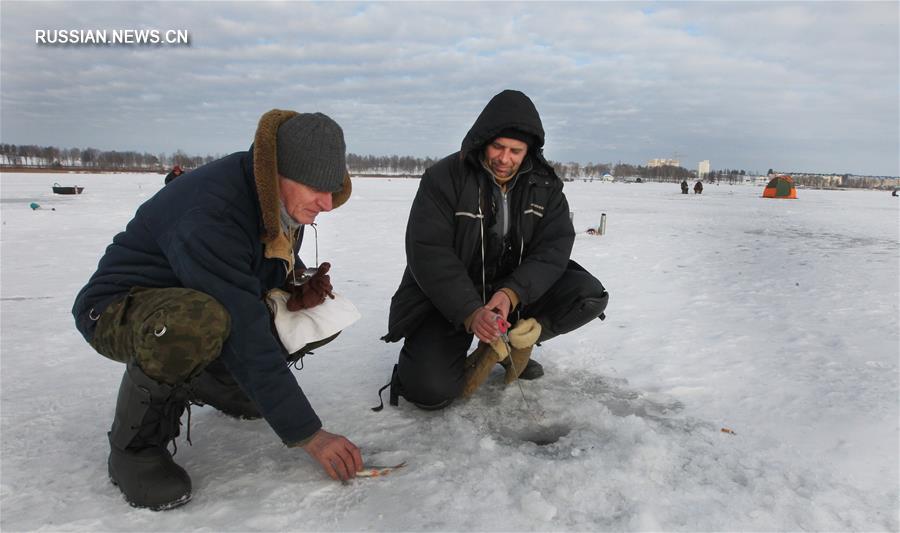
(207,231)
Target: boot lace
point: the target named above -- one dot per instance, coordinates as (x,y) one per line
(166,424)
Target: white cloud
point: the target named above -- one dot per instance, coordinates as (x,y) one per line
(613,81)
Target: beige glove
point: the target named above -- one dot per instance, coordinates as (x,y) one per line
(522,337)
(525,333)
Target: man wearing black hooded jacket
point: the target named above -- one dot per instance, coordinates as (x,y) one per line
(487,245)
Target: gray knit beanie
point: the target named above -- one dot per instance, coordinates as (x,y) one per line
(310,149)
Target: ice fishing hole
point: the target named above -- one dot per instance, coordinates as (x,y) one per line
(545,435)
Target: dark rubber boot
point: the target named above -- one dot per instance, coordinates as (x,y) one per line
(147,419)
(532,370)
(434,407)
(214,386)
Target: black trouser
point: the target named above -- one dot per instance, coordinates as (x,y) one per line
(430,370)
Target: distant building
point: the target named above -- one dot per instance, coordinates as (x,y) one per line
(703,169)
(815,180)
(664,163)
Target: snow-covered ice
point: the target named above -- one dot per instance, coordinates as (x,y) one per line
(775,319)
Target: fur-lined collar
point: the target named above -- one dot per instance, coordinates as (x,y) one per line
(265,170)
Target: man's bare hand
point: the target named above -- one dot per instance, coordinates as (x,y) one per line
(485,325)
(339,457)
(500,303)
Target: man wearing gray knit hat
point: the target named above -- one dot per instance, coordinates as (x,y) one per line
(311,151)
(180,297)
(311,165)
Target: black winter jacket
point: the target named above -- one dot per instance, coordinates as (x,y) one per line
(450,218)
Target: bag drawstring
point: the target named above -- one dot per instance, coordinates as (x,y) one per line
(393,395)
(481,224)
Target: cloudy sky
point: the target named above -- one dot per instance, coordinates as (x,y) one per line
(794,86)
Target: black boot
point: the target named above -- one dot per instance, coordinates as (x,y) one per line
(434,407)
(215,386)
(532,370)
(147,419)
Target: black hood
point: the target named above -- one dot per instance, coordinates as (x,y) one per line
(509,109)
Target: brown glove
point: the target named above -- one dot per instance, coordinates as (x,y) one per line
(313,292)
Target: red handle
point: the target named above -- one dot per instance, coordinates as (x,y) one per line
(502,324)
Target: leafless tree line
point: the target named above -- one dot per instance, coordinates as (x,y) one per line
(30,155)
(27,155)
(414,166)
(52,157)
(388,164)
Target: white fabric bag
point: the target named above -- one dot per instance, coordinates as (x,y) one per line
(296,329)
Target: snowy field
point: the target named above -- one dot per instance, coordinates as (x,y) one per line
(775,319)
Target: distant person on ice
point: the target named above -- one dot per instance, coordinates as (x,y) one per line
(698,187)
(684,187)
(487,245)
(176,171)
(179,297)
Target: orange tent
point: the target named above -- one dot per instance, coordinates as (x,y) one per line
(780,187)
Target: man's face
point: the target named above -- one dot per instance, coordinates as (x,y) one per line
(303,202)
(505,155)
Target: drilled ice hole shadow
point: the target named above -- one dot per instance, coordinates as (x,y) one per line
(542,435)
